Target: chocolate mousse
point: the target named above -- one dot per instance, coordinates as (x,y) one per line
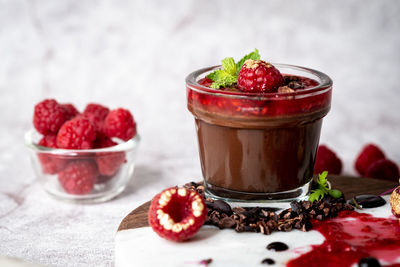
(259,142)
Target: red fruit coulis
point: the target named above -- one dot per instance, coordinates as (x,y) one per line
(230,101)
(353,236)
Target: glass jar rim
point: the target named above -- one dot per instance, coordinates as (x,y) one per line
(324,85)
(121,147)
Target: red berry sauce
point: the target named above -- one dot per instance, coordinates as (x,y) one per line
(230,101)
(352,236)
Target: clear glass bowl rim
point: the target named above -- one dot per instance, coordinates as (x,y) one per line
(124,146)
(325,84)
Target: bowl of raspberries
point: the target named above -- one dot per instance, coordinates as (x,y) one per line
(84,156)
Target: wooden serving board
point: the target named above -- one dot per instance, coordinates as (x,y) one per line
(349,185)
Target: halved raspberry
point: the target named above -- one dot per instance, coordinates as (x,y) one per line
(177,213)
(78,177)
(96,114)
(51,164)
(49,116)
(383,169)
(78,133)
(70,110)
(108,162)
(327,160)
(258,76)
(120,123)
(368,155)
(395,202)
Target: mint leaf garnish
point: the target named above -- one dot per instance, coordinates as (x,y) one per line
(228,75)
(221,78)
(323,189)
(253,55)
(335,193)
(229,65)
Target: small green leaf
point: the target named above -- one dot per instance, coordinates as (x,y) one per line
(253,55)
(316,194)
(229,65)
(215,74)
(322,180)
(335,193)
(222,79)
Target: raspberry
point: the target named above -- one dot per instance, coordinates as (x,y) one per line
(49,116)
(77,133)
(103,141)
(70,110)
(327,160)
(108,162)
(383,169)
(49,140)
(177,213)
(51,164)
(78,177)
(120,123)
(96,114)
(258,76)
(368,155)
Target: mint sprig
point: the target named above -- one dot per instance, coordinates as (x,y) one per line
(323,189)
(227,75)
(253,55)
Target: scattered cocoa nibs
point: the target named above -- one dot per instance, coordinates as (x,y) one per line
(267,220)
(277,246)
(268,261)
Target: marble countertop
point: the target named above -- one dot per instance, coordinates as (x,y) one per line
(136,54)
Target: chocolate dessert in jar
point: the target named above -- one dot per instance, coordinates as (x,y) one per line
(258,126)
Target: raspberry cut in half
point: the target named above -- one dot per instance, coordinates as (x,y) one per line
(177,214)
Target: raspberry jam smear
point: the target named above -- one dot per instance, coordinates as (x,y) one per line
(353,236)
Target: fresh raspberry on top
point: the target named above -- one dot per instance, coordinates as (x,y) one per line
(96,114)
(383,169)
(51,164)
(70,110)
(258,76)
(177,213)
(327,160)
(49,116)
(108,162)
(78,133)
(120,123)
(368,155)
(78,177)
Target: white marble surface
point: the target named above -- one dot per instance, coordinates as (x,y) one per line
(136,54)
(225,247)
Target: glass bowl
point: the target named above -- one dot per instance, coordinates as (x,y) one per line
(87,175)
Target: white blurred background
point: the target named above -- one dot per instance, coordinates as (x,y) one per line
(136,54)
